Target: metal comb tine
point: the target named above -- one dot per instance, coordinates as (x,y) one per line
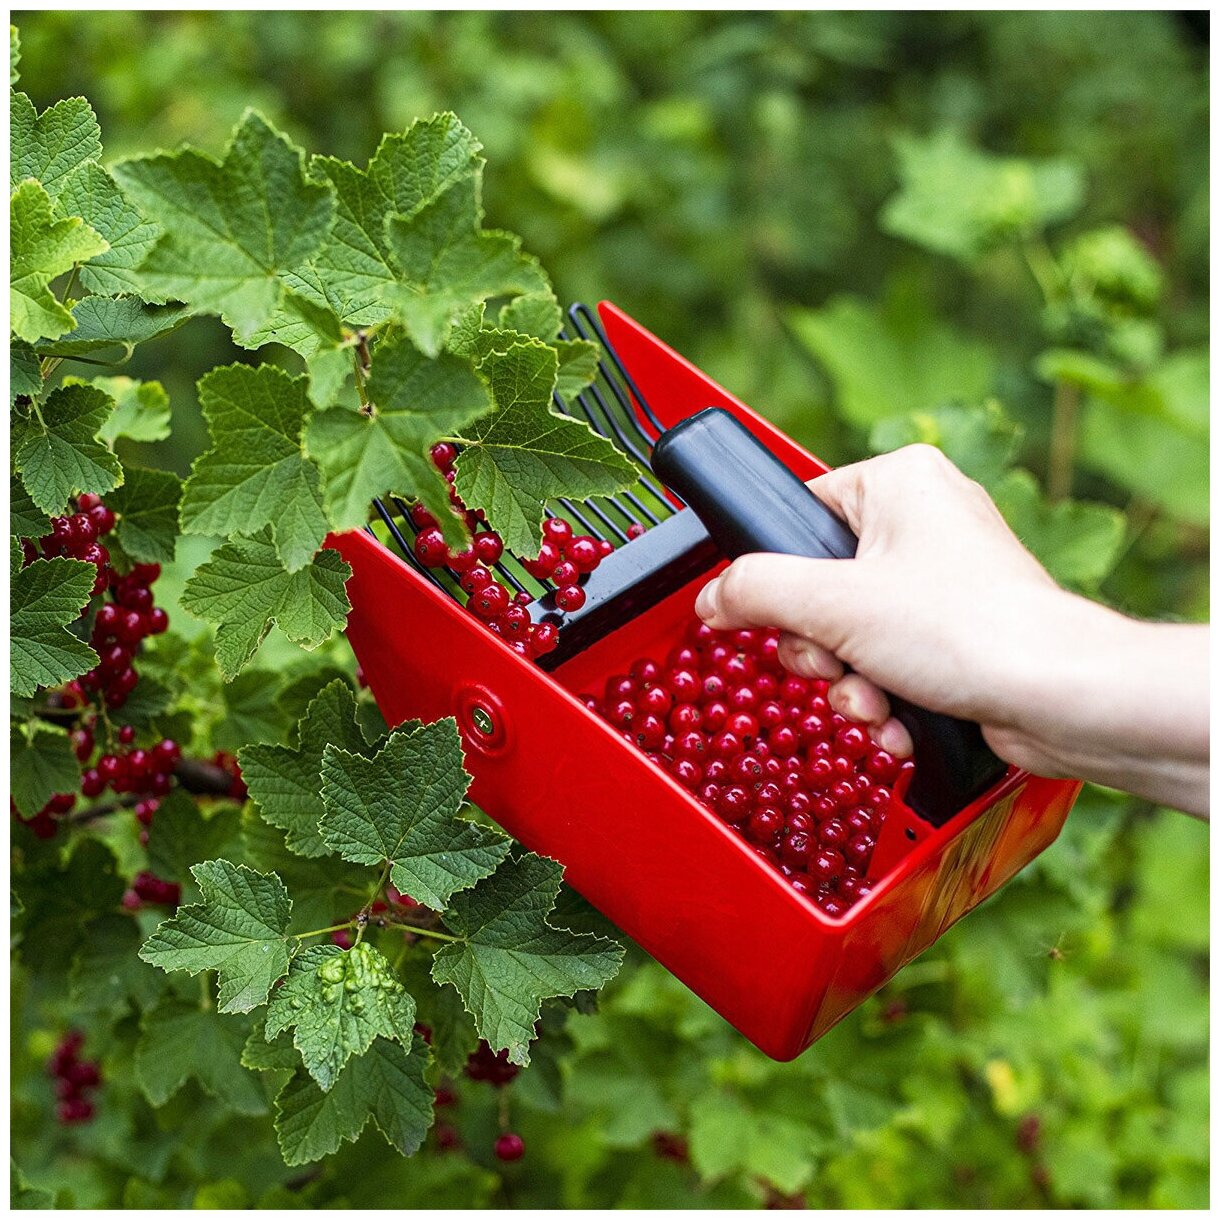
(404,546)
(624,402)
(608,522)
(588,528)
(581,311)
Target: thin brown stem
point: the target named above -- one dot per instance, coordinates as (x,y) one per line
(1061,461)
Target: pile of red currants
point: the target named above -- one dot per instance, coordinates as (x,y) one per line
(763,749)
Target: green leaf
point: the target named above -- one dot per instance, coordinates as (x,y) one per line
(93,195)
(524,454)
(386,1084)
(107,972)
(24,371)
(263,1054)
(103,323)
(141,409)
(328,351)
(41,763)
(400,806)
(231,227)
(43,599)
(56,451)
(50,145)
(980,441)
(349,275)
(244,588)
(511,958)
(251,711)
(728,1136)
(286,782)
(961,201)
(41,247)
(25,519)
(337,1002)
(446,264)
(256,474)
(237,930)
(1151,437)
(181,836)
(14,75)
(180,1042)
(1078,543)
(22,1195)
(892,360)
(147,510)
(418,401)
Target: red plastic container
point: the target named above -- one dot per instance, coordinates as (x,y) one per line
(638,846)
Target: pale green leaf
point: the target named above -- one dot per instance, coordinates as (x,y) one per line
(256,474)
(446,264)
(231,227)
(1077,542)
(92,194)
(892,360)
(24,371)
(25,518)
(524,454)
(510,957)
(729,1136)
(981,441)
(286,782)
(400,806)
(41,247)
(141,409)
(337,1002)
(56,451)
(416,402)
(238,930)
(244,588)
(50,145)
(958,200)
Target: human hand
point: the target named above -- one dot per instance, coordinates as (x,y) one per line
(944,606)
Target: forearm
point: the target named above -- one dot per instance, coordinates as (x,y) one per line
(1117,701)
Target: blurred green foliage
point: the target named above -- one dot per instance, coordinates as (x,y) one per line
(985,231)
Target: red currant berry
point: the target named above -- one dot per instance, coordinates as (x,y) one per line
(656,699)
(430,548)
(544,637)
(127,734)
(570,598)
(691,745)
(764,825)
(649,731)
(715,716)
(545,564)
(725,745)
(91,783)
(852,742)
(784,741)
(832,833)
(488,547)
(635,530)
(82,744)
(687,772)
(556,530)
(510,1147)
(443,455)
(478,577)
(733,803)
(825,865)
(489,602)
(583,552)
(716,769)
(684,684)
(859,850)
(770,715)
(796,848)
(684,718)
(166,754)
(881,765)
(744,725)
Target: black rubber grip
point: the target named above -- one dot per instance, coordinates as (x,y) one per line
(750,501)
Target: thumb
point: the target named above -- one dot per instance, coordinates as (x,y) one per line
(818,599)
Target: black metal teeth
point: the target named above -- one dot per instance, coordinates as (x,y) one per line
(607,407)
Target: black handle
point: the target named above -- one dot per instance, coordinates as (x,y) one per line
(750,501)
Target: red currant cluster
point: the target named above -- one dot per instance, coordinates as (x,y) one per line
(763,749)
(76,537)
(137,770)
(73,1077)
(118,629)
(147,887)
(490,1067)
(670,1146)
(45,823)
(564,559)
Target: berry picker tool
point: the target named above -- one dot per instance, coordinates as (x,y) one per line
(751,935)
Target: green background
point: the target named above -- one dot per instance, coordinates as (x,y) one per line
(728,178)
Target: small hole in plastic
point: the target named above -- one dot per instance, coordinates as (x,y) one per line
(911,834)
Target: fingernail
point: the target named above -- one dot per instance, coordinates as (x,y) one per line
(705,603)
(805,662)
